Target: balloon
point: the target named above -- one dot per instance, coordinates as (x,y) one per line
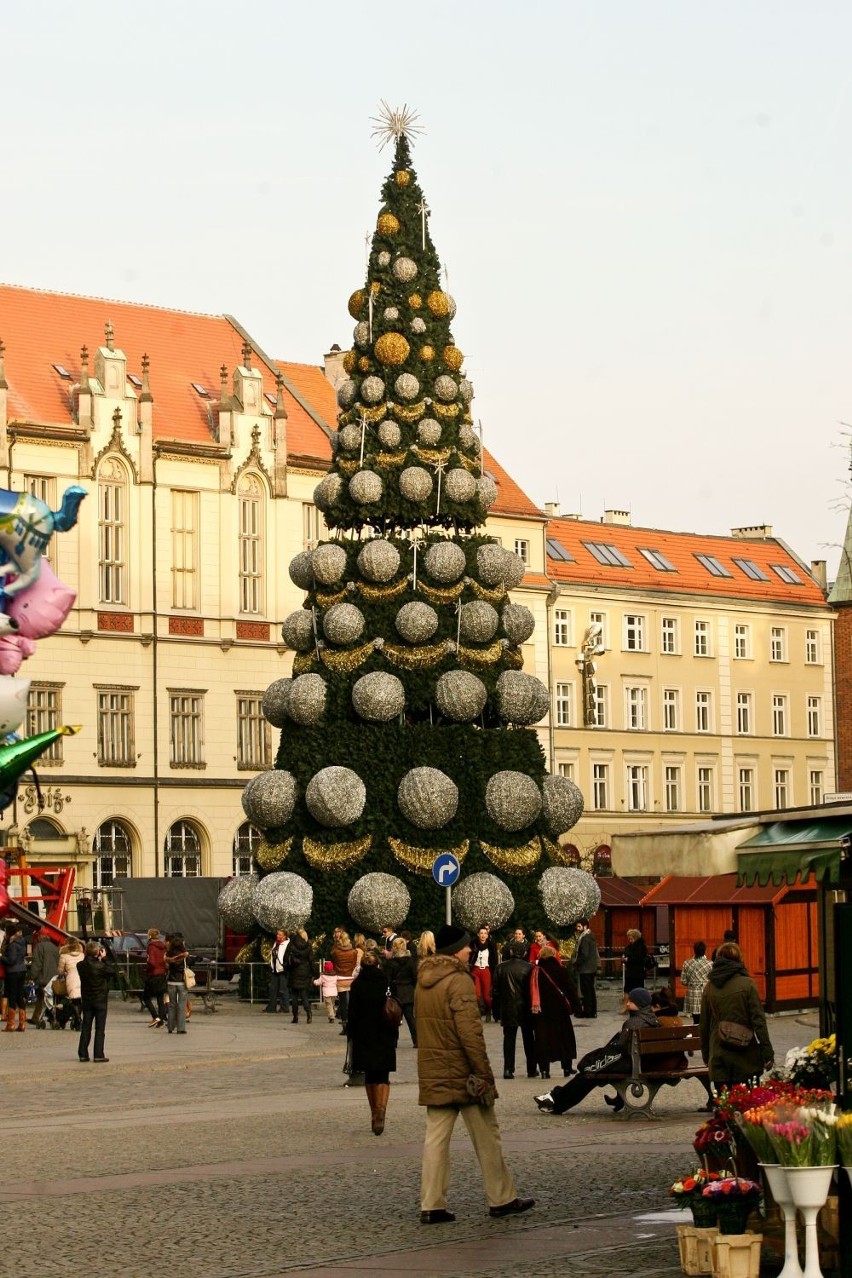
(13,704)
(40,610)
(26,526)
(16,758)
(13,650)
(4,879)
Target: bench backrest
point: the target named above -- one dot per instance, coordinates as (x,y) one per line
(663,1040)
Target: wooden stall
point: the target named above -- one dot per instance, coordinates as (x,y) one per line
(620,908)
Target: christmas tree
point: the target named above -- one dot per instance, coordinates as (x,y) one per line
(406,729)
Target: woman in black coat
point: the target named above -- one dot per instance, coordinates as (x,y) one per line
(401,970)
(635,960)
(299,962)
(552,999)
(372,1040)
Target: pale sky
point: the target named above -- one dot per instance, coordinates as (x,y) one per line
(644,207)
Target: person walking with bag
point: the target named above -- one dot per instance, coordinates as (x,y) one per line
(96,969)
(552,999)
(372,1037)
(510,1005)
(176,956)
(735,1041)
(300,974)
(401,968)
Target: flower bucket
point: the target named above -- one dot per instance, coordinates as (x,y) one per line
(809,1186)
(695,1247)
(776,1179)
(731,1217)
(737,1255)
(703,1212)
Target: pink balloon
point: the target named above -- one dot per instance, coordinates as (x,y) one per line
(41,609)
(13,650)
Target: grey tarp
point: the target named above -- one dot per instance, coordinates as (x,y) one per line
(174,905)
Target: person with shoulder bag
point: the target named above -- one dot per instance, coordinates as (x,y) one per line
(735,1041)
(176,969)
(372,1036)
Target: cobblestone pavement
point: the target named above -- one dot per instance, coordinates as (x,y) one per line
(236,1151)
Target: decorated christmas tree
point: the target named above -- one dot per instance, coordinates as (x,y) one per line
(406,729)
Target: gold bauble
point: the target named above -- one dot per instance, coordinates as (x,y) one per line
(375,287)
(438,303)
(349,361)
(427,353)
(415,301)
(356,303)
(392,348)
(403,177)
(453,358)
(387,224)
(365,364)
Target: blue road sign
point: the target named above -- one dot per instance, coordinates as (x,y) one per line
(445,869)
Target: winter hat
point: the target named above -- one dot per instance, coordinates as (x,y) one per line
(450,939)
(640,997)
(328,967)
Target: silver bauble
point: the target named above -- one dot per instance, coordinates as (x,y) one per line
(235,903)
(415,483)
(460,696)
(379,900)
(390,313)
(349,438)
(327,492)
(365,487)
(361,335)
(301,570)
(297,630)
(389,434)
(490,564)
(346,392)
(306,702)
(343,623)
(416,622)
(451,307)
(459,484)
(562,805)
(445,562)
(568,895)
(404,269)
(372,390)
(384,258)
(335,796)
(518,622)
(445,388)
(486,492)
(482,900)
(514,569)
(478,621)
(329,563)
(428,798)
(407,386)
(379,561)
(512,800)
(418,325)
(429,432)
(269,798)
(378,697)
(466,435)
(274,704)
(521,698)
(466,390)
(283,901)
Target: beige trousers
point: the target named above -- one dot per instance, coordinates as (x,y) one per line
(481,1124)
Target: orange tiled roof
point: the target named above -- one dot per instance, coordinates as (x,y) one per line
(690,576)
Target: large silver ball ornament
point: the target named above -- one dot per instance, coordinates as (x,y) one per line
(372,390)
(404,269)
(365,487)
(459,484)
(378,697)
(301,570)
(349,438)
(415,483)
(361,335)
(466,435)
(490,564)
(283,900)
(418,325)
(389,434)
(513,570)
(343,623)
(379,900)
(521,698)
(486,492)
(482,900)
(269,798)
(445,562)
(466,390)
(562,805)
(407,386)
(460,696)
(445,388)
(336,796)
(518,622)
(346,392)
(379,561)
(384,258)
(390,314)
(478,621)
(236,903)
(329,563)
(306,702)
(429,432)
(327,492)
(428,798)
(416,622)
(274,704)
(297,631)
(512,800)
(568,895)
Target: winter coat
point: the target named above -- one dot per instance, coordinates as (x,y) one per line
(552,1026)
(510,992)
(95,977)
(176,964)
(450,1042)
(731,995)
(327,983)
(69,968)
(614,1057)
(693,977)
(635,956)
(373,1042)
(45,961)
(477,948)
(15,956)
(156,959)
(586,957)
(402,977)
(299,964)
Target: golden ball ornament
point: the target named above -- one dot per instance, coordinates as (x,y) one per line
(453,358)
(392,348)
(365,364)
(375,287)
(350,359)
(415,301)
(438,303)
(357,303)
(403,177)
(427,353)
(387,224)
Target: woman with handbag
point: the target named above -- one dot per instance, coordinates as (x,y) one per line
(176,956)
(299,961)
(372,1037)
(401,968)
(735,1042)
(70,958)
(552,999)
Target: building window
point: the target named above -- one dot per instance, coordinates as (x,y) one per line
(812,647)
(599,619)
(44,714)
(565,770)
(111,847)
(184,549)
(564,705)
(779,715)
(636,703)
(44,488)
(600,786)
(181,852)
(115,728)
(671,709)
(814,716)
(744,717)
(186,729)
(601,705)
(522,550)
(705,789)
(112,537)
(637,787)
(673,788)
(634,633)
(562,627)
(246,842)
(702,712)
(702,639)
(815,784)
(314,527)
(781,779)
(777,644)
(742,641)
(251,545)
(669,635)
(745,789)
(253,735)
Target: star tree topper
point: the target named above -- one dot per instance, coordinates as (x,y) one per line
(391,124)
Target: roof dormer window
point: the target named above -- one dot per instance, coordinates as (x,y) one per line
(63,372)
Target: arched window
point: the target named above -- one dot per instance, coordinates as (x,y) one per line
(602,862)
(246,842)
(250,498)
(182,849)
(571,853)
(112,533)
(112,849)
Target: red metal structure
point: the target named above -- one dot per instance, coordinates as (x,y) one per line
(50,885)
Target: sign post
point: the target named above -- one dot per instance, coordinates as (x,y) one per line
(445,871)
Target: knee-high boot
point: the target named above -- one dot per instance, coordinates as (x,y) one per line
(370,1089)
(10,1020)
(382,1091)
(22,1020)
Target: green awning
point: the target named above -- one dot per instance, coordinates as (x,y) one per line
(785,849)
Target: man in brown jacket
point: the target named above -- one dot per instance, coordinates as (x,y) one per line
(455,1078)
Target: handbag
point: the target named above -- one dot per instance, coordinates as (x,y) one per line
(59,987)
(189,978)
(392,1011)
(732,1034)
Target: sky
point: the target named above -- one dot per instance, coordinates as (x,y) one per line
(644,208)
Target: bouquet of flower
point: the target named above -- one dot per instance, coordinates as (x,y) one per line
(814,1065)
(733,1188)
(752,1124)
(804,1138)
(843,1128)
(687,1188)
(714,1139)
(742,1096)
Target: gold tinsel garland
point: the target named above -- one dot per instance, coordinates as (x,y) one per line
(440,594)
(446,410)
(420,860)
(348,467)
(522,860)
(304,662)
(473,658)
(514,659)
(266,948)
(372,414)
(495,596)
(378,594)
(389,460)
(247,952)
(470,463)
(409,412)
(270,856)
(325,601)
(431,456)
(335,856)
(556,852)
(346,662)
(414,658)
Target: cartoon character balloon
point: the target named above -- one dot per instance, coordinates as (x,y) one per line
(26,526)
(35,613)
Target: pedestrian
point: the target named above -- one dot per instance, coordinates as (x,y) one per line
(373,1041)
(401,971)
(455,1078)
(483,964)
(735,1041)
(510,1005)
(552,999)
(327,982)
(636,960)
(154,986)
(728,935)
(586,964)
(518,942)
(44,965)
(388,938)
(15,958)
(346,957)
(300,974)
(70,958)
(539,939)
(425,944)
(176,956)
(96,969)
(693,977)
(279,991)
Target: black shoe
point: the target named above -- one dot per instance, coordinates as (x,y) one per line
(437,1217)
(532,1073)
(84,1059)
(545,1073)
(615,1102)
(507,1073)
(514,1208)
(101,1060)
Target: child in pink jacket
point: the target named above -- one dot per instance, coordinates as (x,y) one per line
(328,988)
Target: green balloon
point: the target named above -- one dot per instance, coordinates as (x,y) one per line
(16,758)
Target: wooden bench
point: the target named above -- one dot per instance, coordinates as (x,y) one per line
(649,1047)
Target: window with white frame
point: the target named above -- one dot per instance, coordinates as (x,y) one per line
(115,728)
(745,719)
(246,843)
(251,544)
(777,643)
(184,549)
(112,851)
(186,729)
(254,740)
(564,705)
(742,641)
(522,550)
(673,775)
(745,789)
(565,770)
(812,647)
(182,852)
(781,783)
(44,488)
(600,786)
(704,788)
(599,619)
(637,787)
(671,709)
(702,639)
(814,716)
(703,708)
(601,705)
(636,708)
(815,786)
(314,527)
(779,714)
(562,627)
(112,534)
(634,632)
(669,635)
(44,714)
